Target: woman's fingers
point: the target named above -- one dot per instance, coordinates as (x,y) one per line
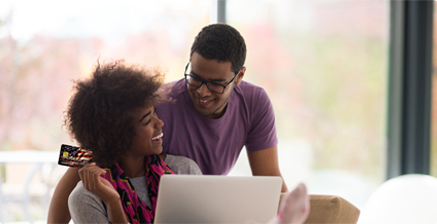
(90,176)
(96,180)
(96,184)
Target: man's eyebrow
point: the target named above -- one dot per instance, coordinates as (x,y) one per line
(211,80)
(145,115)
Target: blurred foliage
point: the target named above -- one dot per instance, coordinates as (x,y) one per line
(323,63)
(34,91)
(326,73)
(324,69)
(37,74)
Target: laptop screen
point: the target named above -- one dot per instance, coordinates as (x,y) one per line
(217,199)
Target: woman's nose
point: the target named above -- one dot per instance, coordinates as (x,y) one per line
(159,123)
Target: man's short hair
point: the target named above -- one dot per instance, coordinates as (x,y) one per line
(221,42)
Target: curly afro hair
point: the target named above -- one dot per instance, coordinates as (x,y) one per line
(221,42)
(99,114)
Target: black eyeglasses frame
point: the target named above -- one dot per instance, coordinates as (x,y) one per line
(208,82)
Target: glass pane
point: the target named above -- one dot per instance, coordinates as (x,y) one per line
(45,44)
(43,49)
(324,65)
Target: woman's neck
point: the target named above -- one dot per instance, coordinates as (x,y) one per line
(133,166)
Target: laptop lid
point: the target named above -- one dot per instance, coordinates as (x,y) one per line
(217,199)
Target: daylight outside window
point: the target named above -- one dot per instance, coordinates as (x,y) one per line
(45,44)
(323,64)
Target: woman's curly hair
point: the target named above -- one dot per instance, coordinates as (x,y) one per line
(99,114)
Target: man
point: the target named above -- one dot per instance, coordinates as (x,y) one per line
(212,114)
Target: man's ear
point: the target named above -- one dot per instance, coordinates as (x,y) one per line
(240,75)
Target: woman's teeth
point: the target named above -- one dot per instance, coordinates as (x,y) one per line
(158,136)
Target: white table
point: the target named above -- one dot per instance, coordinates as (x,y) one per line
(37,159)
(28,156)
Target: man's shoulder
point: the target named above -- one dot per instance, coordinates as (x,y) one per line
(171,93)
(251,92)
(246,87)
(174,88)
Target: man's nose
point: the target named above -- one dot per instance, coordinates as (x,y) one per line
(203,90)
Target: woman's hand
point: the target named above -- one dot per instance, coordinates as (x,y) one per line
(90,175)
(92,181)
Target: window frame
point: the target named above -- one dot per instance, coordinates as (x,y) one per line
(409,99)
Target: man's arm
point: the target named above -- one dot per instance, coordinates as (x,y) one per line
(58,211)
(265,163)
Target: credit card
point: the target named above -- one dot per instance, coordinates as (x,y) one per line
(74,156)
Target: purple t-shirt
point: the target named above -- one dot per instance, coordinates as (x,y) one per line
(215,144)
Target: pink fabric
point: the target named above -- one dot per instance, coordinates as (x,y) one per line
(136,210)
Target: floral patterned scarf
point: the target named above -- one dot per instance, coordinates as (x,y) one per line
(136,210)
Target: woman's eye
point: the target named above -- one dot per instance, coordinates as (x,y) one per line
(148,122)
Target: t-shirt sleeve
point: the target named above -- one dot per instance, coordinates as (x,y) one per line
(182,165)
(85,207)
(262,128)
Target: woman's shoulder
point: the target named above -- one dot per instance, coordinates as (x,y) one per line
(85,207)
(80,195)
(182,165)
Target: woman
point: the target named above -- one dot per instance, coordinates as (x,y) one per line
(113,112)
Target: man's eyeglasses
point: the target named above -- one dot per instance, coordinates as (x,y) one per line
(212,86)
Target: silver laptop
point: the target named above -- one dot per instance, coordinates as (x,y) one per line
(217,199)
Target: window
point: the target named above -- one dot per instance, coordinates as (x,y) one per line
(43,49)
(45,44)
(324,64)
